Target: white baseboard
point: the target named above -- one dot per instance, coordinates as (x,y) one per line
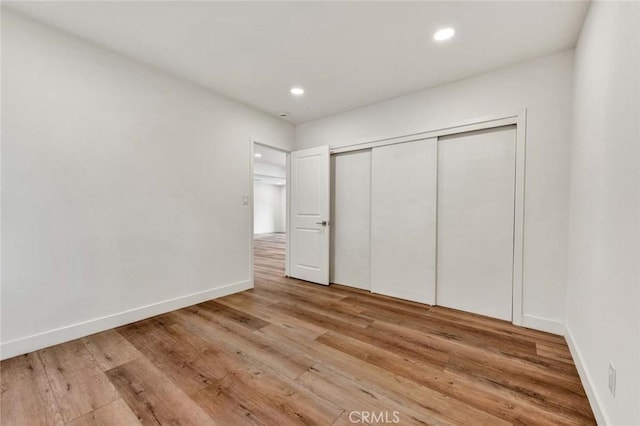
(64,334)
(543,324)
(596,404)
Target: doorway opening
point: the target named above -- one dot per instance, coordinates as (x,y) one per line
(269,211)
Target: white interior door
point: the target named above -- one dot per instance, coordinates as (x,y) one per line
(350,215)
(309,186)
(476,184)
(403,220)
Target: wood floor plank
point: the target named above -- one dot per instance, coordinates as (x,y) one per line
(560,374)
(301,287)
(116,413)
(554,352)
(224,409)
(233,315)
(174,351)
(273,315)
(153,398)
(110,349)
(267,399)
(77,381)
(546,396)
(496,326)
(473,336)
(223,332)
(80,391)
(434,357)
(27,398)
(249,299)
(331,307)
(541,369)
(67,356)
(342,391)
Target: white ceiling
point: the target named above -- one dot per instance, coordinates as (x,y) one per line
(345,54)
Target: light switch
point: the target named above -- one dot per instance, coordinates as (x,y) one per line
(245,200)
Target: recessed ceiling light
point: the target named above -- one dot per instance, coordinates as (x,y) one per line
(444,34)
(257,155)
(297,91)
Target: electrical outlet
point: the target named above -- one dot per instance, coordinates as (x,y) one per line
(612,379)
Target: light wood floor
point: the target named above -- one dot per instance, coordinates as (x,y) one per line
(289,352)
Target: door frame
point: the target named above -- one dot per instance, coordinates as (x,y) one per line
(518,118)
(251,206)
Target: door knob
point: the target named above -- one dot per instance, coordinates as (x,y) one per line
(323,223)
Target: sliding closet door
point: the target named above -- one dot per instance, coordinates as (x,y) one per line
(403,220)
(476,184)
(350,213)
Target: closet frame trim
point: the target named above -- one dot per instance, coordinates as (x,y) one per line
(520,120)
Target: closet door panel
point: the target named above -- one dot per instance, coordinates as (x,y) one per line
(351,207)
(476,184)
(403,220)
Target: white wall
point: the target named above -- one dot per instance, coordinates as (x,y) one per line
(603,309)
(122,188)
(268,216)
(544,87)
